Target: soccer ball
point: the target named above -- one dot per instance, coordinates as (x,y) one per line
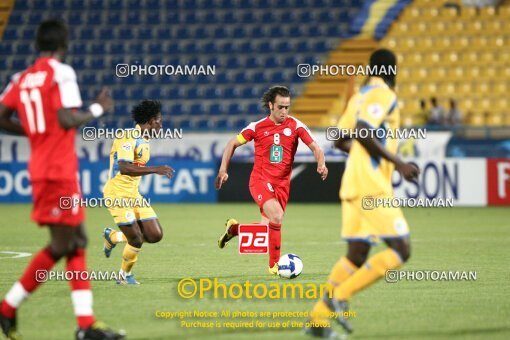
(290,266)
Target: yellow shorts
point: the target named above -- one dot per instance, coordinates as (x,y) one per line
(126,214)
(363,222)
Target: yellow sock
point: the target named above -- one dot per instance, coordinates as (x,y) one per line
(129,257)
(117,237)
(341,271)
(370,272)
(320,314)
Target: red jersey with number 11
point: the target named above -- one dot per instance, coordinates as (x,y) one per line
(37,94)
(275,147)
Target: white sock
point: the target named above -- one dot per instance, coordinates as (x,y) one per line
(16,295)
(82,302)
(118,237)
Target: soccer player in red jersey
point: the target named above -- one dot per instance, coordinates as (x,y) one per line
(276,139)
(47,98)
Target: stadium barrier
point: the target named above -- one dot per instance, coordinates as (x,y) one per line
(469,181)
(466,181)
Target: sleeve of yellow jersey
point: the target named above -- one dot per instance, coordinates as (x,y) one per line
(348,118)
(126,149)
(376,106)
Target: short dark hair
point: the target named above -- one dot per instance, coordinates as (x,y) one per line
(144,111)
(384,59)
(270,95)
(51,35)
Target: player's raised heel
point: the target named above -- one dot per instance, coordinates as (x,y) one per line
(108,244)
(99,331)
(225,237)
(322,332)
(340,308)
(273,270)
(8,326)
(128,280)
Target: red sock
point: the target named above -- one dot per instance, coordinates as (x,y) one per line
(275,240)
(233,230)
(7,310)
(81,294)
(42,262)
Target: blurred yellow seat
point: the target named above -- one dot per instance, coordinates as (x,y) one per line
(503,56)
(460,43)
(506,119)
(481,88)
(440,26)
(498,42)
(457,27)
(430,14)
(467,12)
(451,53)
(487,57)
(487,12)
(442,44)
(448,13)
(409,105)
(504,11)
(476,119)
(473,27)
(425,43)
(422,28)
(400,29)
(494,120)
(465,88)
(499,88)
(493,26)
(501,104)
(438,72)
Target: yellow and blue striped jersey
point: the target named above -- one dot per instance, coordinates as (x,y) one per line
(375,104)
(132,148)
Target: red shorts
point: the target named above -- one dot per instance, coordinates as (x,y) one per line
(52,203)
(262,191)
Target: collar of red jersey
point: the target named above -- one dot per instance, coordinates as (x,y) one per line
(275,123)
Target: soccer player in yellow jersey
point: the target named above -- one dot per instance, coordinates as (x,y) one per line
(367,177)
(137,221)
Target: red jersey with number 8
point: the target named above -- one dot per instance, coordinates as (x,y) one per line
(275,147)
(37,94)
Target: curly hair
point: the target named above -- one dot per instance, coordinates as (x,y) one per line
(270,95)
(144,111)
(51,35)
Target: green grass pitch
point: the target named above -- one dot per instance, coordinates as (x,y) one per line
(471,239)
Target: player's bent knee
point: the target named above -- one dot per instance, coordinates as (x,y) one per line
(357,259)
(277,217)
(403,251)
(357,252)
(154,237)
(405,254)
(135,240)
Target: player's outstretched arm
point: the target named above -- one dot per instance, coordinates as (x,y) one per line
(408,170)
(6,122)
(130,169)
(321,161)
(343,144)
(225,162)
(69,118)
